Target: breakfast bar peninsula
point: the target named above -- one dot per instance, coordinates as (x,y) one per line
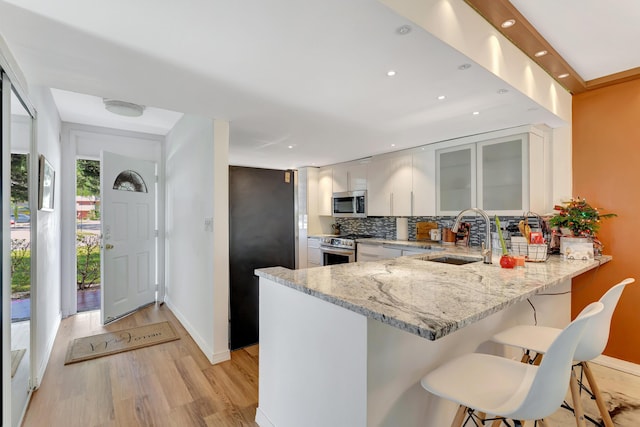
(346,345)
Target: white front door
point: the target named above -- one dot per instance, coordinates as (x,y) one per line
(128,255)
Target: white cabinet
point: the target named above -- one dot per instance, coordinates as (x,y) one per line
(375,252)
(456,179)
(390,186)
(314,256)
(502,176)
(424,182)
(325,190)
(350,176)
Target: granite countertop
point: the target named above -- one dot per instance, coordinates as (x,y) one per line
(425,298)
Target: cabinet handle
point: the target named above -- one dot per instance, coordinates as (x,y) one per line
(391,204)
(412,203)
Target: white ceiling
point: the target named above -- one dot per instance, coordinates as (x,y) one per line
(308,75)
(596,37)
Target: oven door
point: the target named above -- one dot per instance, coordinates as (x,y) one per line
(333,256)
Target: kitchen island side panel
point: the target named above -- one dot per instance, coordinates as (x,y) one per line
(313,361)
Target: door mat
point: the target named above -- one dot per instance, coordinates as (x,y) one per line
(16,357)
(94,346)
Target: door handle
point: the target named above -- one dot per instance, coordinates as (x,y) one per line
(109,246)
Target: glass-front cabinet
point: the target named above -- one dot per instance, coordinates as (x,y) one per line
(501,175)
(456,179)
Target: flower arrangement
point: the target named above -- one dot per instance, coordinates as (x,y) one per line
(578,216)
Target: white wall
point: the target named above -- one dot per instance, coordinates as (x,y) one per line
(47,303)
(197,254)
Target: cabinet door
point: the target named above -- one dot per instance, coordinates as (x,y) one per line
(340,174)
(424,183)
(349,176)
(456,179)
(401,185)
(502,167)
(379,188)
(390,184)
(325,191)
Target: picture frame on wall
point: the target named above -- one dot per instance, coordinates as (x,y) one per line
(46,181)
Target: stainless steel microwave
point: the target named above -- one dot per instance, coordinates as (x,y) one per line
(349,204)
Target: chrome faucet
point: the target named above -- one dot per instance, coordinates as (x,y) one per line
(486,245)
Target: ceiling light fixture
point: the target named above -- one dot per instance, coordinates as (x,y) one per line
(563,76)
(290,146)
(403,30)
(464,67)
(123,108)
(508,23)
(391,73)
(475,113)
(441,97)
(540,53)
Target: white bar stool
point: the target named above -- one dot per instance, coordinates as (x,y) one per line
(537,339)
(508,389)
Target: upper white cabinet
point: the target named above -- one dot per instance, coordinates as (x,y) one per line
(390,186)
(424,182)
(325,190)
(456,179)
(350,176)
(502,176)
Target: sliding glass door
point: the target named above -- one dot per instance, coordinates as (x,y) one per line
(19,209)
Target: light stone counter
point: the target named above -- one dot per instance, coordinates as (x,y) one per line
(426,298)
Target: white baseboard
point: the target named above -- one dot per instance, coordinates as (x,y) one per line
(262,420)
(618,364)
(214,358)
(222,356)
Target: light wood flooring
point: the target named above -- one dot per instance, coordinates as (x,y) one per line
(170,384)
(173,384)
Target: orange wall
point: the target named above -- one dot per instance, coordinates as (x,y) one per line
(606,171)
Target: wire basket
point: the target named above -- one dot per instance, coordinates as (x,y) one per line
(532,252)
(536,253)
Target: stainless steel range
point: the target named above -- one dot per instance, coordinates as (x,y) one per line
(340,249)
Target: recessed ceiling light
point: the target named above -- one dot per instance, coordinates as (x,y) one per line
(391,73)
(508,23)
(502,91)
(123,108)
(393,145)
(475,113)
(403,30)
(540,53)
(441,97)
(563,76)
(290,146)
(464,67)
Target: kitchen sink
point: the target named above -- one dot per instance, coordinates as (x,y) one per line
(453,260)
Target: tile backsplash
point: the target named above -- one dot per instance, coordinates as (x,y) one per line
(385,227)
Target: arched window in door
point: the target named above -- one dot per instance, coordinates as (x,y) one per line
(130,181)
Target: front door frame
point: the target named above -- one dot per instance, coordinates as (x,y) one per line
(86,142)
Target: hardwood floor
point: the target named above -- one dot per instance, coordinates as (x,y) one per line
(173,384)
(170,384)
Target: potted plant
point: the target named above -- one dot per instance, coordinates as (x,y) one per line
(578,219)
